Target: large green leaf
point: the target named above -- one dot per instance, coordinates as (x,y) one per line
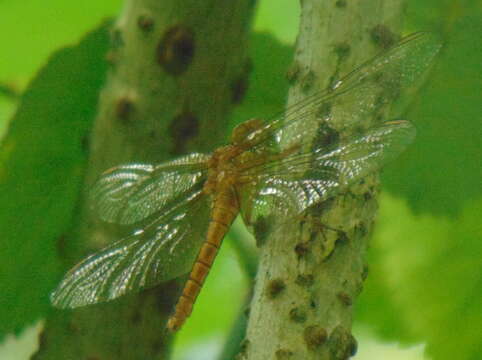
(426,280)
(30,31)
(441,171)
(41,165)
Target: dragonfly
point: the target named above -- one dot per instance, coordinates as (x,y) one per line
(178,212)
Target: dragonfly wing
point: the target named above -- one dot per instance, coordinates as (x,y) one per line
(286,187)
(164,249)
(130,193)
(390,78)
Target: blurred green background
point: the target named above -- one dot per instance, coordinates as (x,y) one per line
(422,299)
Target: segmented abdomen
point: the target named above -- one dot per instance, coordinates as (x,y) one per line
(224,212)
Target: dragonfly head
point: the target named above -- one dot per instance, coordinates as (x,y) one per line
(241,132)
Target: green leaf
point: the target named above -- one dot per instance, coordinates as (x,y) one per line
(30,32)
(42,160)
(280,18)
(426,280)
(266,95)
(441,170)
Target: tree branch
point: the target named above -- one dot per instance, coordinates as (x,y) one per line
(178,67)
(311,271)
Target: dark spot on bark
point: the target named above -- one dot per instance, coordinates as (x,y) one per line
(305,280)
(283,354)
(344,298)
(319,209)
(243,349)
(312,304)
(314,337)
(342,50)
(124,109)
(326,138)
(238,89)
(182,129)
(342,238)
(341,343)
(302,249)
(42,339)
(145,23)
(367,196)
(361,230)
(308,81)
(382,36)
(293,72)
(261,230)
(274,288)
(358,287)
(175,51)
(298,315)
(340,3)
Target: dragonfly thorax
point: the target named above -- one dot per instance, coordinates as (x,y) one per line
(222,171)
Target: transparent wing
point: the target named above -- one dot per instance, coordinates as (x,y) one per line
(130,193)
(284,187)
(164,249)
(389,78)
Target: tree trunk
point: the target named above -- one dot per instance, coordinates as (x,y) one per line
(311,271)
(177,68)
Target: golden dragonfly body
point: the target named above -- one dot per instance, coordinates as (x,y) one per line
(178,212)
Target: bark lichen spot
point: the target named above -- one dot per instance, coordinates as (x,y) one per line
(341,343)
(293,72)
(145,23)
(314,337)
(342,50)
(261,230)
(274,288)
(305,280)
(243,349)
(308,81)
(176,49)
(283,354)
(382,36)
(344,298)
(302,249)
(183,128)
(124,109)
(298,314)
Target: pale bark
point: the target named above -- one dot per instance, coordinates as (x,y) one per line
(311,271)
(177,68)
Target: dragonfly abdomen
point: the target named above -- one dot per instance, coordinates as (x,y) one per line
(224,211)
